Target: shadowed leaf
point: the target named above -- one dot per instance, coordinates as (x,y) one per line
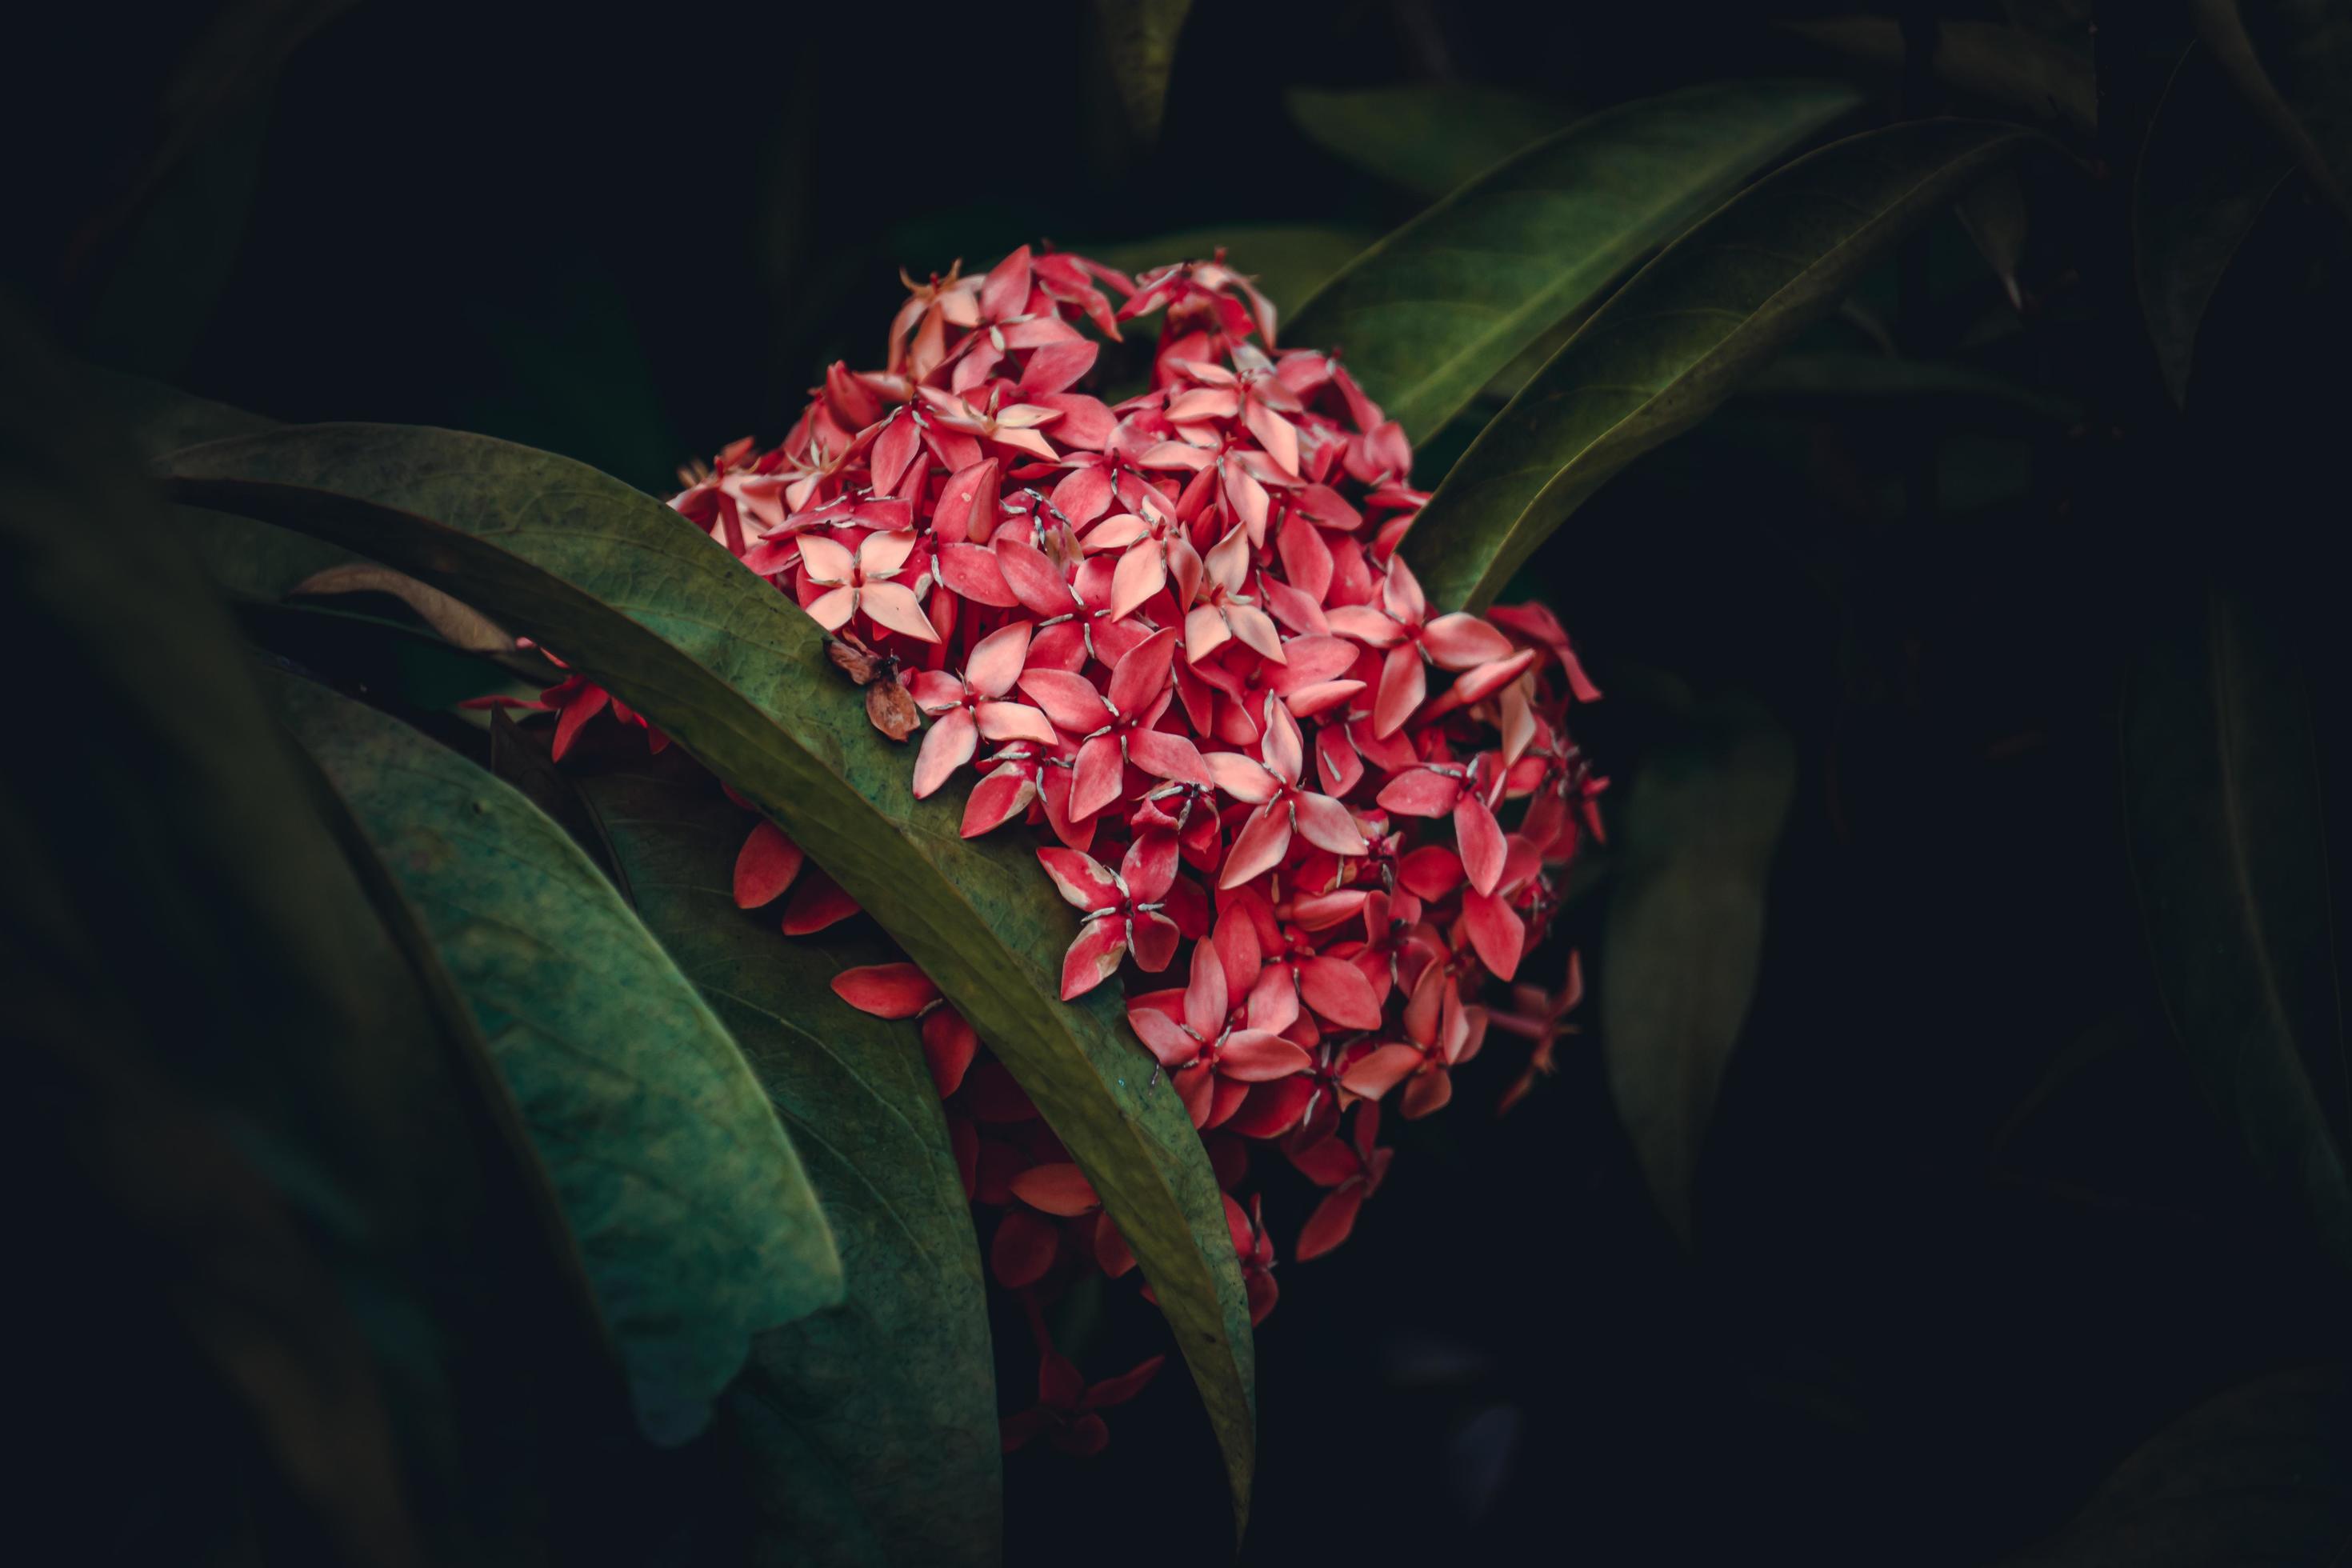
(2222,815)
(1433,312)
(697,1222)
(1140,36)
(1683,938)
(2292,59)
(2206,173)
(640,601)
(2260,1474)
(1428,137)
(2002,64)
(872,1423)
(244,1046)
(1679,337)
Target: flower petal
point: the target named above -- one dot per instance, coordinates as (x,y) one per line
(894,608)
(1259,1056)
(1093,957)
(1336,989)
(1070,701)
(1480,839)
(1082,880)
(765,866)
(950,745)
(1382,1070)
(1059,1189)
(1260,846)
(885,990)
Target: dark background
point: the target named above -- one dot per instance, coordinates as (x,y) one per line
(1966,1231)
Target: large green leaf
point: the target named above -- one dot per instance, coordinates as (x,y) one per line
(2293,61)
(1431,313)
(642,602)
(1428,137)
(1677,339)
(2005,64)
(2259,1473)
(2223,818)
(698,1224)
(1140,38)
(220,1030)
(1684,935)
(2206,173)
(870,1427)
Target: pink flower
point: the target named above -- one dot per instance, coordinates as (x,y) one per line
(1173,637)
(862,582)
(1440,1035)
(1123,910)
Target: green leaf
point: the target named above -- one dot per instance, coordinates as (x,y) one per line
(1678,338)
(642,602)
(2292,59)
(1428,137)
(185,933)
(1430,314)
(1684,937)
(159,418)
(2002,64)
(1140,37)
(401,667)
(871,1427)
(2228,846)
(2206,173)
(698,1224)
(2262,1473)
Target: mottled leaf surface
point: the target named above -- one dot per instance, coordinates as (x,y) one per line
(870,1426)
(641,601)
(697,1222)
(198,969)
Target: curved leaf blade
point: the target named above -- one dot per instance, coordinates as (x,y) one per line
(2228,846)
(882,1409)
(1683,944)
(2292,59)
(1140,37)
(1428,137)
(1432,312)
(2207,174)
(698,1224)
(1990,59)
(731,669)
(1678,338)
(186,938)
(2259,1473)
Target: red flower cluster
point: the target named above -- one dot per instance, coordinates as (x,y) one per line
(1173,633)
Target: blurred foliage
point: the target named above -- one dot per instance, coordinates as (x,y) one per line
(1958,1170)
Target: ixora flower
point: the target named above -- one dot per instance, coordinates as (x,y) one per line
(1167,633)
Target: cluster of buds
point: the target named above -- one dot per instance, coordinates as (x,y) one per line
(1172,636)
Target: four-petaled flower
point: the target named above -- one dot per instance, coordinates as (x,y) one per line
(1441,1034)
(1211,1058)
(862,582)
(1124,910)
